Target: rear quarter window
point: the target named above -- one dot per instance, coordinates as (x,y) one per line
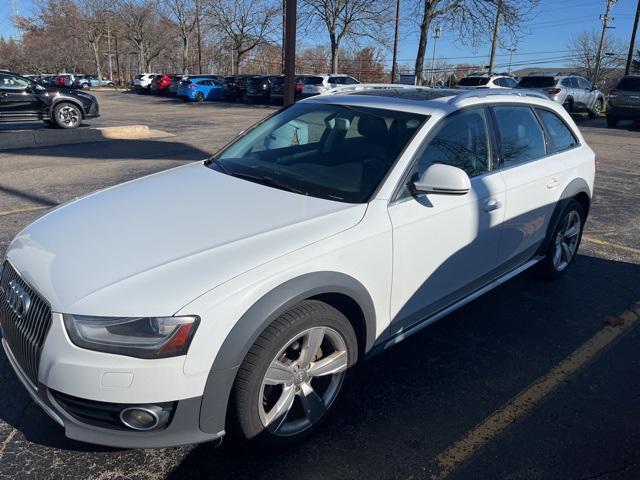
(560,135)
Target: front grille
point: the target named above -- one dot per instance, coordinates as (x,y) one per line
(25,335)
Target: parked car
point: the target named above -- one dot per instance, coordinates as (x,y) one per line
(200,89)
(624,101)
(187,78)
(234,293)
(163,82)
(142,82)
(316,84)
(235,87)
(91,81)
(22,99)
(276,92)
(153,86)
(487,81)
(258,88)
(65,80)
(574,92)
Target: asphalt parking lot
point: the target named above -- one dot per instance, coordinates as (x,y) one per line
(527,382)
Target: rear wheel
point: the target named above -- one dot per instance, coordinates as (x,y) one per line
(293,374)
(595,111)
(568,105)
(564,241)
(199,97)
(67,115)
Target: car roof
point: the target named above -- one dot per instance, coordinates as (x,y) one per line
(424,100)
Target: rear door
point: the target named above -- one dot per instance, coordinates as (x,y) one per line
(18,98)
(534,177)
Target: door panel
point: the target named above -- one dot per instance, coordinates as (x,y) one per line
(17,101)
(446,245)
(533,182)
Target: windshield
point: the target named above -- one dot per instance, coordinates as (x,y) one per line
(473,81)
(313,81)
(537,82)
(336,152)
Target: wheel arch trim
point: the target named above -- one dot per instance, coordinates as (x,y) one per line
(220,380)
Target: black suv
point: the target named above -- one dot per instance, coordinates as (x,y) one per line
(22,99)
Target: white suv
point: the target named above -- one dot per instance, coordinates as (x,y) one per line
(317,84)
(236,292)
(485,81)
(143,81)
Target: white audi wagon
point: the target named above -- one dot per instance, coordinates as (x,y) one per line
(233,294)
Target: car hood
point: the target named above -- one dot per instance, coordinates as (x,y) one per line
(152,245)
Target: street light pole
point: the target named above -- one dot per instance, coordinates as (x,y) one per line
(290,52)
(437,32)
(510,50)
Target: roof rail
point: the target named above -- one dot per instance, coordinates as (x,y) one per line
(489,92)
(370,86)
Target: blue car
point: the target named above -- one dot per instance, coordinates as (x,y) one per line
(200,89)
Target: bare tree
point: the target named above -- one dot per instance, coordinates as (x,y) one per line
(472,20)
(183,13)
(244,23)
(93,27)
(584,48)
(143,29)
(349,20)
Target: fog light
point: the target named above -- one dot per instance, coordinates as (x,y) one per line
(146,417)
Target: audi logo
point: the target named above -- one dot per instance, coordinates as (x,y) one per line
(17,299)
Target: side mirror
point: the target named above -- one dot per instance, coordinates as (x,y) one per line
(443,179)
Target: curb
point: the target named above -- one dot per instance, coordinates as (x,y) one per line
(12,139)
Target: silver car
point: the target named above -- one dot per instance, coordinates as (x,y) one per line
(574,92)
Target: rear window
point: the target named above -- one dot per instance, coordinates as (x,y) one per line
(257,81)
(473,81)
(630,83)
(537,82)
(313,81)
(277,81)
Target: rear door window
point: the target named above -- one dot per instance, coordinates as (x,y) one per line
(520,135)
(560,135)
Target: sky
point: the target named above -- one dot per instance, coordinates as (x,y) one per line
(545,40)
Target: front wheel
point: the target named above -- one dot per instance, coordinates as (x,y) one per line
(564,241)
(199,97)
(67,115)
(293,374)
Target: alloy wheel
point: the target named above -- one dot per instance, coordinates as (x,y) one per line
(302,381)
(69,116)
(566,241)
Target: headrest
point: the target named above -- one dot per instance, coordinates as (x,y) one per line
(374,128)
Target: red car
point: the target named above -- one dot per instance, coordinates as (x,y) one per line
(163,82)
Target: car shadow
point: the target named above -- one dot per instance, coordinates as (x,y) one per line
(601,123)
(403,407)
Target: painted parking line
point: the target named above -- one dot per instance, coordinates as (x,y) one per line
(529,398)
(598,241)
(23,210)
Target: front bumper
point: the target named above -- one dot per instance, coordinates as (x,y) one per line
(184,427)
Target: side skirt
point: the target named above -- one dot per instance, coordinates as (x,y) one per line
(416,327)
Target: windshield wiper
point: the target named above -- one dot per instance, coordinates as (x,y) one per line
(218,164)
(267,181)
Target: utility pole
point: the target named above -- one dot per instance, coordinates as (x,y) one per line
(394,67)
(198,37)
(290,52)
(284,20)
(510,50)
(109,54)
(605,24)
(436,35)
(632,45)
(494,41)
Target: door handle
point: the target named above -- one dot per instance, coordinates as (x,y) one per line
(492,205)
(553,183)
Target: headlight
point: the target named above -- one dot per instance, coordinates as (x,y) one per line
(142,337)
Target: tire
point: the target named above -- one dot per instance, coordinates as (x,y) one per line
(568,105)
(199,97)
(67,115)
(563,242)
(595,112)
(254,412)
(612,121)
